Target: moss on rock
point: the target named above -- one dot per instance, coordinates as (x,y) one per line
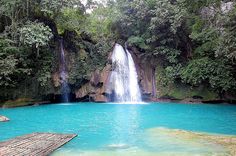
(18,103)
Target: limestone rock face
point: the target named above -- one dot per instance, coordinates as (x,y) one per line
(95,89)
(225,7)
(56,79)
(4,119)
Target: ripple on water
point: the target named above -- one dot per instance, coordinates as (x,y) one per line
(105,129)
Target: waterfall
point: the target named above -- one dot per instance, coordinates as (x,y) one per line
(124,78)
(134,89)
(63,75)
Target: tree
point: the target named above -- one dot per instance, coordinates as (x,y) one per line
(12,65)
(35,34)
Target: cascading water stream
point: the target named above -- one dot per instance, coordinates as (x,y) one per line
(134,90)
(124,78)
(63,75)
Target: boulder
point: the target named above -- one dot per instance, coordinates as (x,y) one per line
(4,119)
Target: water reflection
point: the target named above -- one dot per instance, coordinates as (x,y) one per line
(126,126)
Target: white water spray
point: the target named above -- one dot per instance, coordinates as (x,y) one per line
(124,78)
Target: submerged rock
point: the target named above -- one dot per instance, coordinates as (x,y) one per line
(118,146)
(208,144)
(4,119)
(164,142)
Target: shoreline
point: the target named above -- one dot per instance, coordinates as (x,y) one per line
(195,101)
(176,101)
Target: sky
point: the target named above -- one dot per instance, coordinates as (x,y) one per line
(100,1)
(90,10)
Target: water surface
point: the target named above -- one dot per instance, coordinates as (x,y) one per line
(106,129)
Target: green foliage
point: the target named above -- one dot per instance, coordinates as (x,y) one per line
(227,41)
(138,42)
(70,19)
(197,24)
(170,53)
(195,6)
(53,7)
(227,46)
(203,70)
(21,36)
(207,40)
(191,44)
(197,71)
(167,13)
(214,46)
(43,74)
(169,74)
(11,63)
(194,46)
(99,24)
(182,91)
(15,12)
(35,34)
(89,58)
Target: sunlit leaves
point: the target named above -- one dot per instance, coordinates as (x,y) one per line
(167,13)
(227,40)
(35,34)
(99,24)
(54,7)
(70,19)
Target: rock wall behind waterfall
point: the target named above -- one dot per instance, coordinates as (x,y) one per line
(146,73)
(95,89)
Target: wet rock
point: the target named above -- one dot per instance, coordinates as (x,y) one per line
(4,119)
(197,97)
(95,78)
(85,90)
(191,100)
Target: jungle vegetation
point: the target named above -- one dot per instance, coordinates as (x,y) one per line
(194,42)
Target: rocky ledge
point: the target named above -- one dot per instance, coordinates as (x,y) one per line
(4,119)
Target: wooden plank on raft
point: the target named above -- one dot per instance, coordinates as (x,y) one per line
(40,144)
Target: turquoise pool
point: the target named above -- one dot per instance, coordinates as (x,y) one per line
(113,129)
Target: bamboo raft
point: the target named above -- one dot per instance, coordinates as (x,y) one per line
(35,144)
